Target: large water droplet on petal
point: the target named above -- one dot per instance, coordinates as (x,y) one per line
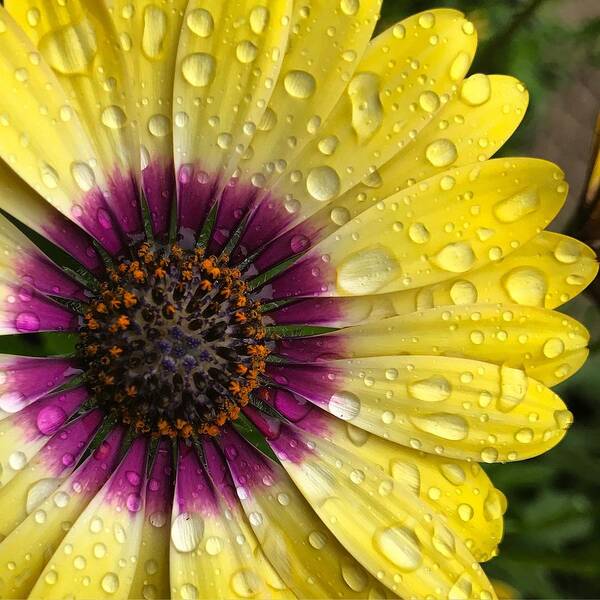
(456,258)
(70,50)
(200,21)
(187,531)
(344,405)
(245,583)
(518,206)
(155,31)
(259,19)
(199,69)
(400,546)
(367,110)
(433,389)
(367,271)
(442,425)
(526,286)
(39,491)
(323,183)
(299,84)
(476,89)
(441,153)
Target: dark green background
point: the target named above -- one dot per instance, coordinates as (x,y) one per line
(551,547)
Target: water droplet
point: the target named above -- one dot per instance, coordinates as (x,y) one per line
(245,583)
(340,215)
(61,499)
(524,436)
(456,258)
(110,583)
(454,473)
(49,176)
(465,512)
(259,19)
(568,251)
(433,389)
(400,546)
(563,418)
(356,579)
(463,292)
(51,577)
(159,125)
(418,233)
(328,145)
(299,84)
(518,206)
(113,117)
(476,90)
(99,550)
(367,271)
(489,455)
(187,531)
(27,322)
(367,110)
(155,31)
(189,591)
(526,286)
(494,505)
(214,545)
(70,50)
(460,66)
(441,153)
(429,101)
(50,418)
(553,348)
(323,183)
(200,22)
(317,540)
(442,425)
(246,52)
(83,175)
(399,31)
(199,69)
(39,491)
(426,20)
(17,460)
(96,525)
(350,7)
(344,405)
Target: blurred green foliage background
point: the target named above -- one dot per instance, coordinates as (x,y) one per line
(551,547)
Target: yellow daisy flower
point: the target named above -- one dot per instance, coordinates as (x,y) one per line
(307,304)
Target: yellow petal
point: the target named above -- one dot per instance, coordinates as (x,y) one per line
(547,271)
(213,552)
(27,549)
(19,200)
(403,79)
(324,50)
(477,132)
(148,35)
(455,407)
(430,233)
(42,137)
(458,489)
(389,530)
(297,544)
(77,40)
(45,472)
(99,553)
(223,87)
(523,337)
(151,577)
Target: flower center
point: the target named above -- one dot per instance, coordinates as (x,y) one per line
(172,343)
